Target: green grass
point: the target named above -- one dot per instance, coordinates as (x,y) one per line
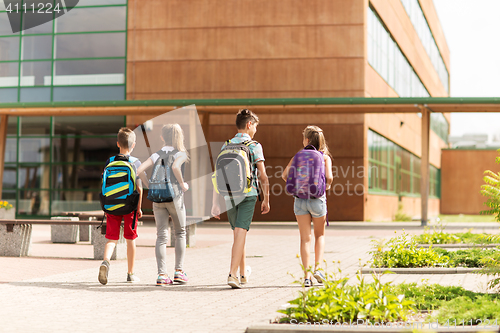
(466,218)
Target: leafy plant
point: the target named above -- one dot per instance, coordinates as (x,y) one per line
(466,311)
(404,252)
(491,190)
(400,215)
(337,301)
(5,204)
(431,297)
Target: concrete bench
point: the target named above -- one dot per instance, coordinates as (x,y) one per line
(191,222)
(15,236)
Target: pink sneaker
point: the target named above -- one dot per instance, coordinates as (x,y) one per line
(180,277)
(163,280)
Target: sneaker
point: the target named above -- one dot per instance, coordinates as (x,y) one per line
(180,277)
(163,280)
(244,278)
(233,282)
(308,283)
(103,272)
(131,277)
(319,276)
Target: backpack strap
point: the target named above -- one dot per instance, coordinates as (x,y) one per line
(248,143)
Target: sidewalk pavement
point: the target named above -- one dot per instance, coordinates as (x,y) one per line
(56,288)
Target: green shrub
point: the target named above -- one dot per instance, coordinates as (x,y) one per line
(466,311)
(430,297)
(404,252)
(336,301)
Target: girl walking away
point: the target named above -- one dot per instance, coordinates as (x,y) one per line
(308,176)
(174,157)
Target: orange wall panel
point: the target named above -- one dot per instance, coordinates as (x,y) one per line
(161,14)
(462,173)
(265,42)
(246,76)
(385,207)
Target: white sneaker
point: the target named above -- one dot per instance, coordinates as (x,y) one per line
(132,278)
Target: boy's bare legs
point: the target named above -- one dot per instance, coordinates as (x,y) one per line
(104,268)
(319,242)
(109,248)
(304,222)
(130,255)
(238,250)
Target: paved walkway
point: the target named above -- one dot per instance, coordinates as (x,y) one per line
(48,293)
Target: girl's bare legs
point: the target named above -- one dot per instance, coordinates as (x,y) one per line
(319,240)
(304,222)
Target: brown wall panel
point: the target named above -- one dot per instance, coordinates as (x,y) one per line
(260,43)
(160,14)
(247,76)
(395,18)
(243,94)
(375,85)
(462,173)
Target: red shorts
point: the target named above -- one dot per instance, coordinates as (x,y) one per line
(113,223)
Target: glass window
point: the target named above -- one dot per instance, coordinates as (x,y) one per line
(33,202)
(110,93)
(87,149)
(11,150)
(35,95)
(75,201)
(9,48)
(89,72)
(34,176)
(107,125)
(5,27)
(36,73)
(100,2)
(35,126)
(34,150)
(37,23)
(90,45)
(8,95)
(9,74)
(92,19)
(37,47)
(9,176)
(73,176)
(12,126)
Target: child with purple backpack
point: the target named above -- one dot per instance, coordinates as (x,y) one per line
(308,176)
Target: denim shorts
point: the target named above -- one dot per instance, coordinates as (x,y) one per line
(314,207)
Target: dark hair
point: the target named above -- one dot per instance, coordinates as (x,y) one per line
(244,116)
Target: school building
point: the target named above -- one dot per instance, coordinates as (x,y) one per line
(68,85)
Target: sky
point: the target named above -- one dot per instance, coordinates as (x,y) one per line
(472,29)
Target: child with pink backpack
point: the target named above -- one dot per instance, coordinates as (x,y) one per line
(308,176)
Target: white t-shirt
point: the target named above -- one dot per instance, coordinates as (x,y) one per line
(167,149)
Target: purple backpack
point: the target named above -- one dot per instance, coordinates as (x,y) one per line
(306,176)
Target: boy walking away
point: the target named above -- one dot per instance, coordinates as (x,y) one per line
(238,166)
(121,198)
